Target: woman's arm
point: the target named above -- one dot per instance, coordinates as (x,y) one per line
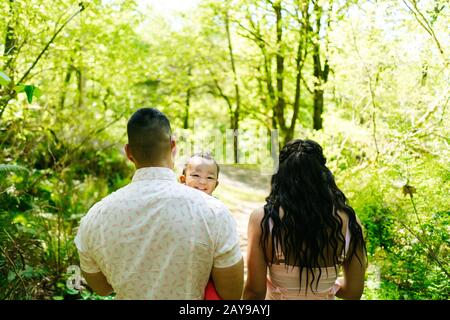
(352,284)
(255,286)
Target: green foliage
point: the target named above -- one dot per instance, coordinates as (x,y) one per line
(411,248)
(7,168)
(30,90)
(4,79)
(385,118)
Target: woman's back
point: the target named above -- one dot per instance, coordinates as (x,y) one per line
(302,235)
(283,284)
(283,281)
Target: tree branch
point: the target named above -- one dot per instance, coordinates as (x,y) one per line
(82,8)
(306,85)
(428,28)
(428,249)
(372,95)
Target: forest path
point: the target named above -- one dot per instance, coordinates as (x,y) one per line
(242,189)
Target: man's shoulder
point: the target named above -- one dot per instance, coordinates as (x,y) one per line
(200,199)
(108,201)
(216,207)
(215,203)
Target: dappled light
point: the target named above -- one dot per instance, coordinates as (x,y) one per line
(368,80)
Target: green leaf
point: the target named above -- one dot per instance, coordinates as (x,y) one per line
(4,79)
(7,168)
(28,272)
(29,90)
(20,219)
(19,88)
(72,291)
(11,276)
(58,298)
(37,92)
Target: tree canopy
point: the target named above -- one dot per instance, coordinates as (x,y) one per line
(368,80)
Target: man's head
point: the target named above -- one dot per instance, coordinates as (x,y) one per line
(150,140)
(201,172)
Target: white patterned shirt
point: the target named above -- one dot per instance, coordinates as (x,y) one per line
(157,239)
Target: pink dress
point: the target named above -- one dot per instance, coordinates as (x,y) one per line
(283,283)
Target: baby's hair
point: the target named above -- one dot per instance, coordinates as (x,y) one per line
(204,155)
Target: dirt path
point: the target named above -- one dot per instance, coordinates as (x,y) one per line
(242,190)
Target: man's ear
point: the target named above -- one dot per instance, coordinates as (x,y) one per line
(128,153)
(173,145)
(183,179)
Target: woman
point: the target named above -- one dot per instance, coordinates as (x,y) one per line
(304,234)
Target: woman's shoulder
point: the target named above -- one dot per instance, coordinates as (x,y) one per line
(345,217)
(257,215)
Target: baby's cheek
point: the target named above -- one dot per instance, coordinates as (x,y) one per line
(190,183)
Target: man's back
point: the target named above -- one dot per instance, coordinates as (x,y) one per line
(157,239)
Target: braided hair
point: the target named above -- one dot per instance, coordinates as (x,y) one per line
(310,231)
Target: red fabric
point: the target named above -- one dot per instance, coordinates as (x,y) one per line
(210,292)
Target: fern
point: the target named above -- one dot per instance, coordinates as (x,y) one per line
(7,168)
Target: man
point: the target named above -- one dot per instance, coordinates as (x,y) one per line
(156,238)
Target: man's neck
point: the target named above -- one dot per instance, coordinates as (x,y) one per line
(163,164)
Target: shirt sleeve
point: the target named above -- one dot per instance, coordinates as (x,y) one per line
(227,250)
(87,262)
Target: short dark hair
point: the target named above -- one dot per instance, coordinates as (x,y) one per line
(149,135)
(204,155)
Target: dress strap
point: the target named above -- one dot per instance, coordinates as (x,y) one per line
(347,239)
(279,252)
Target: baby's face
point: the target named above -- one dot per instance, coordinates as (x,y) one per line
(201,174)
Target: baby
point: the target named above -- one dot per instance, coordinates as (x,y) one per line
(202,173)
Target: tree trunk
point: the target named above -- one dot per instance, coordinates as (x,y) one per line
(280,103)
(270,88)
(186,109)
(318,108)
(236,113)
(81,86)
(321,75)
(299,65)
(66,83)
(269,99)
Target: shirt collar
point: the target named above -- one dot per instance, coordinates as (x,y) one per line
(154,173)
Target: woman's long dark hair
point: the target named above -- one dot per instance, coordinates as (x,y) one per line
(310,227)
